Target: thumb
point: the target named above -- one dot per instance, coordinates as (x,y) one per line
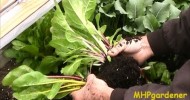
(118,48)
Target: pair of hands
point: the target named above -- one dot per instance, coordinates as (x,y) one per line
(97,89)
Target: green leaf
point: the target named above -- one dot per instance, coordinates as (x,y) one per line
(10,53)
(151,73)
(160,11)
(135,8)
(75,16)
(113,14)
(148,2)
(97,17)
(31,49)
(160,67)
(35,85)
(129,30)
(27,61)
(150,22)
(54,90)
(90,6)
(139,23)
(113,36)
(71,69)
(77,12)
(32,93)
(15,73)
(119,8)
(174,12)
(61,95)
(166,77)
(17,45)
(103,29)
(107,7)
(172,2)
(48,64)
(31,79)
(59,25)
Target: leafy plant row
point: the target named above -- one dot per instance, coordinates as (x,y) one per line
(71,41)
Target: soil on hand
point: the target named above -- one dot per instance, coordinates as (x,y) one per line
(121,72)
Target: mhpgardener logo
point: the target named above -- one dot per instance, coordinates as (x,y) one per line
(154,96)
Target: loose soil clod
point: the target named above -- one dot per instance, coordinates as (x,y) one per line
(121,72)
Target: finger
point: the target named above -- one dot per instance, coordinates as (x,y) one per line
(76,95)
(90,76)
(118,48)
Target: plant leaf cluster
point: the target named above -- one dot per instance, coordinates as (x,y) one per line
(137,16)
(29,84)
(75,38)
(32,47)
(157,72)
(78,36)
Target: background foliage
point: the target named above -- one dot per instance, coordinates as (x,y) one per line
(133,17)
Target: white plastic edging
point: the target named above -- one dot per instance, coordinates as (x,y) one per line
(26,23)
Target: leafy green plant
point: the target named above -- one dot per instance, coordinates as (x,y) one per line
(71,40)
(75,38)
(136,16)
(76,41)
(29,84)
(157,72)
(32,47)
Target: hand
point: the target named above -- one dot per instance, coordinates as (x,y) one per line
(95,89)
(139,49)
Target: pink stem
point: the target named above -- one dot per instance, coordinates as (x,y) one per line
(67,77)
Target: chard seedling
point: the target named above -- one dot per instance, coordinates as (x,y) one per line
(29,84)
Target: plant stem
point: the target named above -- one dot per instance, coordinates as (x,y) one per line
(71,85)
(67,77)
(70,90)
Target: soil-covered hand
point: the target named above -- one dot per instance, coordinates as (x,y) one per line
(95,89)
(137,48)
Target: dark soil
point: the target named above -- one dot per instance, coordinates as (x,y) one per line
(6,92)
(121,72)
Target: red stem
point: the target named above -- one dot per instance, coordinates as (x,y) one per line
(67,77)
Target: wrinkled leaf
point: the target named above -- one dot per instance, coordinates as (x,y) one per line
(174,12)
(135,8)
(160,11)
